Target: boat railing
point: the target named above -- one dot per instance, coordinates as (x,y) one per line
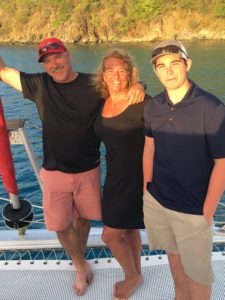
(18,136)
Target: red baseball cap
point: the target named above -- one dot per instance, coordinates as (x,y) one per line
(50,45)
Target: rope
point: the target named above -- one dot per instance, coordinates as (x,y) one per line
(34,222)
(61,254)
(33,205)
(33,126)
(39,215)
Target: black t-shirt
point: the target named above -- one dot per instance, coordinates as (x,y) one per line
(188,137)
(67,112)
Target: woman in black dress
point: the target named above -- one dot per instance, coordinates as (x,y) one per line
(121,128)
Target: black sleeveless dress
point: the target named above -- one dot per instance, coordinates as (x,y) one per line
(123,136)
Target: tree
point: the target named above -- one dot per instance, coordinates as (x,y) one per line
(219,10)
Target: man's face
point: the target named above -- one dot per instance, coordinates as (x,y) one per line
(58,66)
(172,70)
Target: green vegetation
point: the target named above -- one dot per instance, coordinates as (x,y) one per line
(102,20)
(219,9)
(143,10)
(63,11)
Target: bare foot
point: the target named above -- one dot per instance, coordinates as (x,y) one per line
(116,284)
(124,289)
(84,277)
(115,287)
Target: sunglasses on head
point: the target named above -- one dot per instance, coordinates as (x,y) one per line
(167,49)
(52,46)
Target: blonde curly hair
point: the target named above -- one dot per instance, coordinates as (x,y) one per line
(131,68)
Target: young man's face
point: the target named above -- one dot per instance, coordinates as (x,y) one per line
(58,66)
(172,70)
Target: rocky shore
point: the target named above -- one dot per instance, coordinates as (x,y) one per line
(186,27)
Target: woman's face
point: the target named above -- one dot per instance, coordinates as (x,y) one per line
(115,75)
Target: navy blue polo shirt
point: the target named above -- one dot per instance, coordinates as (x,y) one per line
(188,137)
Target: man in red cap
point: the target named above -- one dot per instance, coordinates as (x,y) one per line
(68,105)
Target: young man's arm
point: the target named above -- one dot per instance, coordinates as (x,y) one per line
(148,156)
(215,189)
(10,76)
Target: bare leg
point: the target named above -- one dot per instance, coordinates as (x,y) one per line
(116,240)
(82,227)
(182,291)
(185,287)
(199,291)
(70,240)
(134,238)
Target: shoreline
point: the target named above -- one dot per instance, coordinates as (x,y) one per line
(122,41)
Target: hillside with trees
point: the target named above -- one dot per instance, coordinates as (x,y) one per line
(97,21)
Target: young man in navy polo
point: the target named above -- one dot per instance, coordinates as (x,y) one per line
(184,171)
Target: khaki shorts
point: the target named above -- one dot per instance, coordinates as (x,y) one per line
(69,196)
(189,236)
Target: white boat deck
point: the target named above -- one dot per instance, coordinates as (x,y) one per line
(38,279)
(54,281)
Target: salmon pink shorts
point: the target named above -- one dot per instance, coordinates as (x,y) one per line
(68,196)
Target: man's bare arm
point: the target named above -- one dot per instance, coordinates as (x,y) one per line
(215,189)
(136,93)
(10,76)
(148,156)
